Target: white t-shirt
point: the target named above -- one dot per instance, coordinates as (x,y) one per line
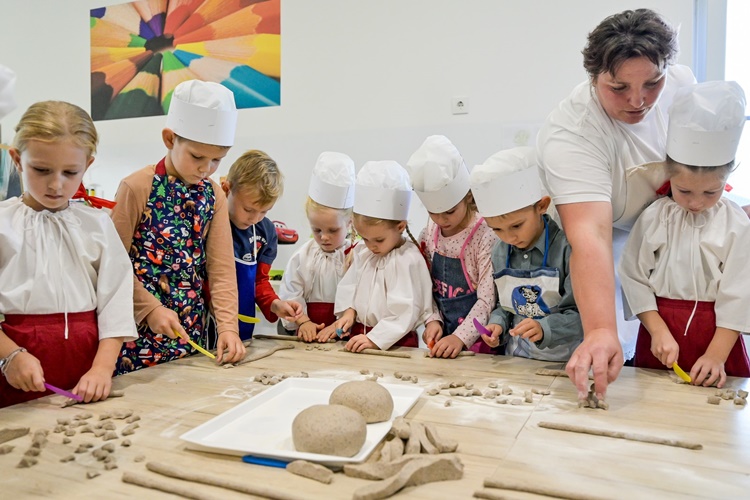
(312,275)
(66,261)
(584,154)
(674,254)
(391,293)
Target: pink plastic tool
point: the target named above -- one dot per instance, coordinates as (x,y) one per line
(63,392)
(481,329)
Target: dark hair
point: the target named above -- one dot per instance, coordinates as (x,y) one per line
(721,170)
(629,34)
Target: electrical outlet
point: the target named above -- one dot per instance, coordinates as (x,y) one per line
(459,105)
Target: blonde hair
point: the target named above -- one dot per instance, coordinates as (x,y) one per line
(313,206)
(50,121)
(257,172)
(366,220)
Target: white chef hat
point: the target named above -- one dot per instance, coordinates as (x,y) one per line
(7,86)
(382,191)
(705,123)
(438,174)
(203,112)
(507,181)
(332,181)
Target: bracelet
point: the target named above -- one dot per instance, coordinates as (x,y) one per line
(308,321)
(5,362)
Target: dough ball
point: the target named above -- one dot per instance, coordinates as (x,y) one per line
(370,399)
(329,430)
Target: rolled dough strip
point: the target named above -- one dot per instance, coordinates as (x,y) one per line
(528,487)
(311,471)
(425,444)
(421,471)
(9,434)
(379,470)
(197,477)
(288,338)
(378,352)
(556,373)
(157,483)
(115,393)
(260,355)
(643,438)
(443,445)
(460,354)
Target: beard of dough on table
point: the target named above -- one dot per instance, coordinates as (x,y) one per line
(329,430)
(370,399)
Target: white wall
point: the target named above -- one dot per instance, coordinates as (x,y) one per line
(371,78)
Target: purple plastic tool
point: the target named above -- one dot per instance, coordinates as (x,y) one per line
(63,392)
(481,329)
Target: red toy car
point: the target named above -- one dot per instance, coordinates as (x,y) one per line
(286,235)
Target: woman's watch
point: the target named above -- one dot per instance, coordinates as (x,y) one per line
(5,362)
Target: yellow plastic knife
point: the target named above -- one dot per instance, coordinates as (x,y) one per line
(681,373)
(248,319)
(195,346)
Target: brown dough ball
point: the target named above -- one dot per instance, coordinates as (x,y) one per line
(369,398)
(329,430)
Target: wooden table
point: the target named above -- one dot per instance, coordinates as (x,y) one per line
(495,440)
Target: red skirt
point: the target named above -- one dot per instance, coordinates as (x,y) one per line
(410,339)
(675,314)
(64,361)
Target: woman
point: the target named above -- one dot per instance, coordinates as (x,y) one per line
(598,152)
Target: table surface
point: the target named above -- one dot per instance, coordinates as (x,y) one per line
(502,441)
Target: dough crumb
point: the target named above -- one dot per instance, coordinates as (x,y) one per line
(125,443)
(492,385)
(139,458)
(92,474)
(448,402)
(66,440)
(69,458)
(713,400)
(27,462)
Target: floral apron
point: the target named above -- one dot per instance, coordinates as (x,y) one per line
(169,260)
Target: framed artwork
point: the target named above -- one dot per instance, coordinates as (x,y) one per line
(140,51)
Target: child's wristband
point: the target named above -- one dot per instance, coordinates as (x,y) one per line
(300,324)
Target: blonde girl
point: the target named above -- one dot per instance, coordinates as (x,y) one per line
(386,293)
(457,244)
(63,271)
(314,271)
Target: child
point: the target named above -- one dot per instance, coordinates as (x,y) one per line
(457,243)
(684,271)
(173,220)
(252,186)
(387,288)
(536,312)
(65,281)
(314,271)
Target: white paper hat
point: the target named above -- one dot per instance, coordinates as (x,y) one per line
(382,191)
(705,123)
(507,181)
(332,181)
(203,112)
(7,86)
(438,174)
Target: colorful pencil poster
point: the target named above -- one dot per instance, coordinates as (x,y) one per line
(140,51)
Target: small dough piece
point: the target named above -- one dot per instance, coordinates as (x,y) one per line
(110,447)
(130,429)
(27,462)
(742,394)
(310,470)
(92,474)
(442,444)
(329,430)
(125,443)
(66,440)
(492,385)
(373,401)
(6,448)
(132,419)
(109,435)
(110,466)
(448,403)
(68,458)
(401,428)
(740,401)
(33,452)
(109,426)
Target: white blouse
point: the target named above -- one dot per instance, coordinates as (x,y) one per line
(312,275)
(65,262)
(391,293)
(675,254)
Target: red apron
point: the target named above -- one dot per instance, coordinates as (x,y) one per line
(675,314)
(64,361)
(408,340)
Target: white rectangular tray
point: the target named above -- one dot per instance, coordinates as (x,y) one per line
(262,425)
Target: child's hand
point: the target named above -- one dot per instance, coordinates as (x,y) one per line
(432,333)
(287,309)
(494,339)
(707,370)
(359,343)
(25,373)
(447,347)
(345,322)
(528,329)
(232,344)
(166,322)
(95,385)
(308,331)
(327,333)
(664,347)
